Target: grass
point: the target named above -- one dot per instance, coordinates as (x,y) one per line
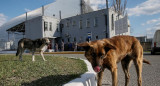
(56,71)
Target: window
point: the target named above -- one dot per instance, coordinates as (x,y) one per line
(61,26)
(45,26)
(57,28)
(67,24)
(74,39)
(87,23)
(50,26)
(68,39)
(95,21)
(73,23)
(112,22)
(116,17)
(81,39)
(80,24)
(96,37)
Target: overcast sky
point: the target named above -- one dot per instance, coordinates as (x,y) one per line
(144,15)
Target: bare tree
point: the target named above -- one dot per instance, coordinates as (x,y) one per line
(119,7)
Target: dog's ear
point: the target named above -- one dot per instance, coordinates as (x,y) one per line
(84,45)
(108,46)
(43,40)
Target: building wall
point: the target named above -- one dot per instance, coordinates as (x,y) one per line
(34,28)
(74,28)
(71,26)
(142,38)
(100,31)
(55,31)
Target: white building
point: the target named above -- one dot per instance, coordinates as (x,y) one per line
(68,22)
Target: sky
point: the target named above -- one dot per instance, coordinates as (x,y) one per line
(144,15)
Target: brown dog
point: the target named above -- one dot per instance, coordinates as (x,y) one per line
(106,53)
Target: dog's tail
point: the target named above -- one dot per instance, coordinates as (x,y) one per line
(145,61)
(18,49)
(17,53)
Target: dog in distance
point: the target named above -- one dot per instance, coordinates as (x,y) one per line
(39,45)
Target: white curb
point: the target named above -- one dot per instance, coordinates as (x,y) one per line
(86,79)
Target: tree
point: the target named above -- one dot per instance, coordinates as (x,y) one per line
(119,7)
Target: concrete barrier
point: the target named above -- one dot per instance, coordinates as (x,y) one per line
(86,79)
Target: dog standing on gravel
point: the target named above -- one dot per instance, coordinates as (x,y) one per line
(39,45)
(106,53)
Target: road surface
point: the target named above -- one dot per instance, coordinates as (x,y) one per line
(150,74)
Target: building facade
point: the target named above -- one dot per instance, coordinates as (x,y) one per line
(86,25)
(93,26)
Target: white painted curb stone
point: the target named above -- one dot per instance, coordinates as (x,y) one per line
(86,79)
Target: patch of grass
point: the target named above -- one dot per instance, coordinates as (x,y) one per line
(56,71)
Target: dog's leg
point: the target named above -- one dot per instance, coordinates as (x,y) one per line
(138,61)
(41,52)
(138,64)
(20,55)
(33,57)
(100,76)
(126,65)
(114,75)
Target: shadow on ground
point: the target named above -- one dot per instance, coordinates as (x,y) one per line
(52,80)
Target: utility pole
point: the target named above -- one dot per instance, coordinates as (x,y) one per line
(107,4)
(81,6)
(107,21)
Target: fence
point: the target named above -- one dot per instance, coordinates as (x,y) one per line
(146,46)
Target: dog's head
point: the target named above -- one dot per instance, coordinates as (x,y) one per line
(46,41)
(96,52)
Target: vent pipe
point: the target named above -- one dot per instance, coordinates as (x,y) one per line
(60,15)
(26,16)
(42,10)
